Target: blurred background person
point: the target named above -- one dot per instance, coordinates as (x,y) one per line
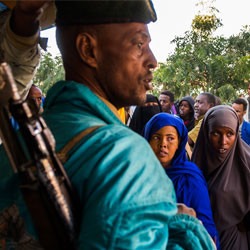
(142,114)
(186,111)
(166,99)
(247,115)
(203,102)
(240,106)
(35,98)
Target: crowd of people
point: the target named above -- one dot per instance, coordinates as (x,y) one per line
(217,171)
(185,187)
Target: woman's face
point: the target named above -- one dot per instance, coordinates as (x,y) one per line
(222,139)
(164,143)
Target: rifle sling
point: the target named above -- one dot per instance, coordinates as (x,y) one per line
(63,154)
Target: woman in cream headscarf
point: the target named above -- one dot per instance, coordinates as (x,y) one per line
(225,161)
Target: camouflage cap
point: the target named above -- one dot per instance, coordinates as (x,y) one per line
(104,11)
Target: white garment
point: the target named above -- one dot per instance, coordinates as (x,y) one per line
(130,114)
(246,117)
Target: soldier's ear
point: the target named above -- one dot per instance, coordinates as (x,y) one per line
(86,48)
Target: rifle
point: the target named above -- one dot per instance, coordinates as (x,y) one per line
(44,184)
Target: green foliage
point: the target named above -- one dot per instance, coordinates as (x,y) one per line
(227,93)
(49,72)
(205,24)
(206,21)
(202,62)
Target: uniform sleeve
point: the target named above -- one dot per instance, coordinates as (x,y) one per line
(186,232)
(23,55)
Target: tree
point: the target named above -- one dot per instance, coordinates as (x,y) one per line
(203,62)
(49,72)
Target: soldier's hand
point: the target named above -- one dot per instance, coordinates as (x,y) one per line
(32,6)
(26,16)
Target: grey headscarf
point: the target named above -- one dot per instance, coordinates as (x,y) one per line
(228,177)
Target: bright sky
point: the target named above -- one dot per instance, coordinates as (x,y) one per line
(175,17)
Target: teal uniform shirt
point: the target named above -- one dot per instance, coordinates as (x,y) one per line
(126,199)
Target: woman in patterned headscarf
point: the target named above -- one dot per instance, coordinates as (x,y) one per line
(167,135)
(224,159)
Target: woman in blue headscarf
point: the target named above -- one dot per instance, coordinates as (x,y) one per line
(167,135)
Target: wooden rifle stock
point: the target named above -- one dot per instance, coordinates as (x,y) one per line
(45,186)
